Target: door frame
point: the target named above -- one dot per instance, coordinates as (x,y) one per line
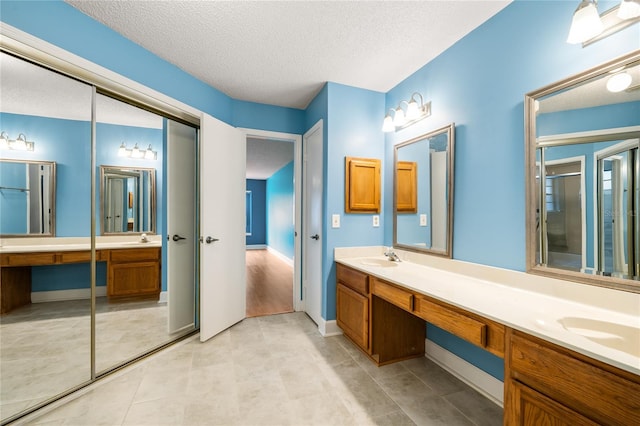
(298,301)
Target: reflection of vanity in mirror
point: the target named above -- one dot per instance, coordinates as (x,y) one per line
(128,200)
(583,176)
(423,188)
(27,198)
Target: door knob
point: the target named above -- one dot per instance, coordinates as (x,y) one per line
(177,237)
(210,240)
(315,237)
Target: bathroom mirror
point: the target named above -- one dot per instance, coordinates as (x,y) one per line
(128,200)
(27,198)
(583,176)
(423,193)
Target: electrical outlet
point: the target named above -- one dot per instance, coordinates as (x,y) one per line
(423,220)
(376,221)
(335,221)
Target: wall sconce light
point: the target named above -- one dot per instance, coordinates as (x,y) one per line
(399,119)
(135,152)
(19,144)
(588,26)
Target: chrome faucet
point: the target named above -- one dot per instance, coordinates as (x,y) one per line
(393,257)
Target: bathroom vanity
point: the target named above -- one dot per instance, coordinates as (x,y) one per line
(556,372)
(133,268)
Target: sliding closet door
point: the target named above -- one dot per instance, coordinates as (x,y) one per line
(45,222)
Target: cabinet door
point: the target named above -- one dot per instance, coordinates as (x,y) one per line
(534,409)
(406,188)
(133,279)
(353,315)
(362,185)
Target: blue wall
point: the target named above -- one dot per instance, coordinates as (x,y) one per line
(258,190)
(14,217)
(280,211)
(585,119)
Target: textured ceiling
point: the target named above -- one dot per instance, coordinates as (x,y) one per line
(282,52)
(265,157)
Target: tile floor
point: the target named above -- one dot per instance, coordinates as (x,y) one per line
(45,347)
(275,370)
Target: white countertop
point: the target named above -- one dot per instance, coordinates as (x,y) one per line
(49,244)
(600,323)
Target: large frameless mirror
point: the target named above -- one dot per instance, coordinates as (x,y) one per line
(27,198)
(423,193)
(127,200)
(583,176)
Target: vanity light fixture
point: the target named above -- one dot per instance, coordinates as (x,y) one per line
(136,152)
(19,144)
(588,26)
(399,119)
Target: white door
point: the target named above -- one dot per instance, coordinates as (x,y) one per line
(312,222)
(181,223)
(115,210)
(222,213)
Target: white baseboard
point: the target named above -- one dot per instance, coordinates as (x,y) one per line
(329,328)
(60,295)
(257,247)
(483,382)
(281,256)
(163,297)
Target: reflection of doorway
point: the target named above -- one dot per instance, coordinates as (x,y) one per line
(617,181)
(115,205)
(564,211)
(272,258)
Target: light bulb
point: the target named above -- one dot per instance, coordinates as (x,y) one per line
(619,82)
(4,141)
(398,118)
(149,154)
(19,144)
(629,9)
(122,151)
(413,111)
(586,23)
(136,153)
(387,124)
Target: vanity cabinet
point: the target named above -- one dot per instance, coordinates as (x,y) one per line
(548,384)
(134,273)
(352,305)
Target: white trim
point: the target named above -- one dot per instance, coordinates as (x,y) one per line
(60,295)
(329,328)
(483,382)
(257,247)
(298,302)
(588,134)
(164,298)
(280,256)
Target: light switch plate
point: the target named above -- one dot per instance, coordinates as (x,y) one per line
(423,220)
(376,221)
(335,221)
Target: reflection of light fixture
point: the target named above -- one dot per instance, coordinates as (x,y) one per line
(619,82)
(629,9)
(136,152)
(401,119)
(586,22)
(587,26)
(19,144)
(150,154)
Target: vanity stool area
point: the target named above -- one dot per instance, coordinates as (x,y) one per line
(551,376)
(133,272)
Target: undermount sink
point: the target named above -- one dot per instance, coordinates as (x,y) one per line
(615,336)
(374,261)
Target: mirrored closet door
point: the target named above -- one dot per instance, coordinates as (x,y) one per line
(97,271)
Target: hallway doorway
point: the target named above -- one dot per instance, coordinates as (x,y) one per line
(272,215)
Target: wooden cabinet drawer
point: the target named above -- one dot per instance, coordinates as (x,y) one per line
(456,323)
(28,259)
(580,383)
(392,294)
(353,315)
(353,279)
(134,255)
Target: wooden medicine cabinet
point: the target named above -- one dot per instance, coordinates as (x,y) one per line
(362,185)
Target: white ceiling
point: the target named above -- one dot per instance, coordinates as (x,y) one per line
(282,52)
(265,157)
